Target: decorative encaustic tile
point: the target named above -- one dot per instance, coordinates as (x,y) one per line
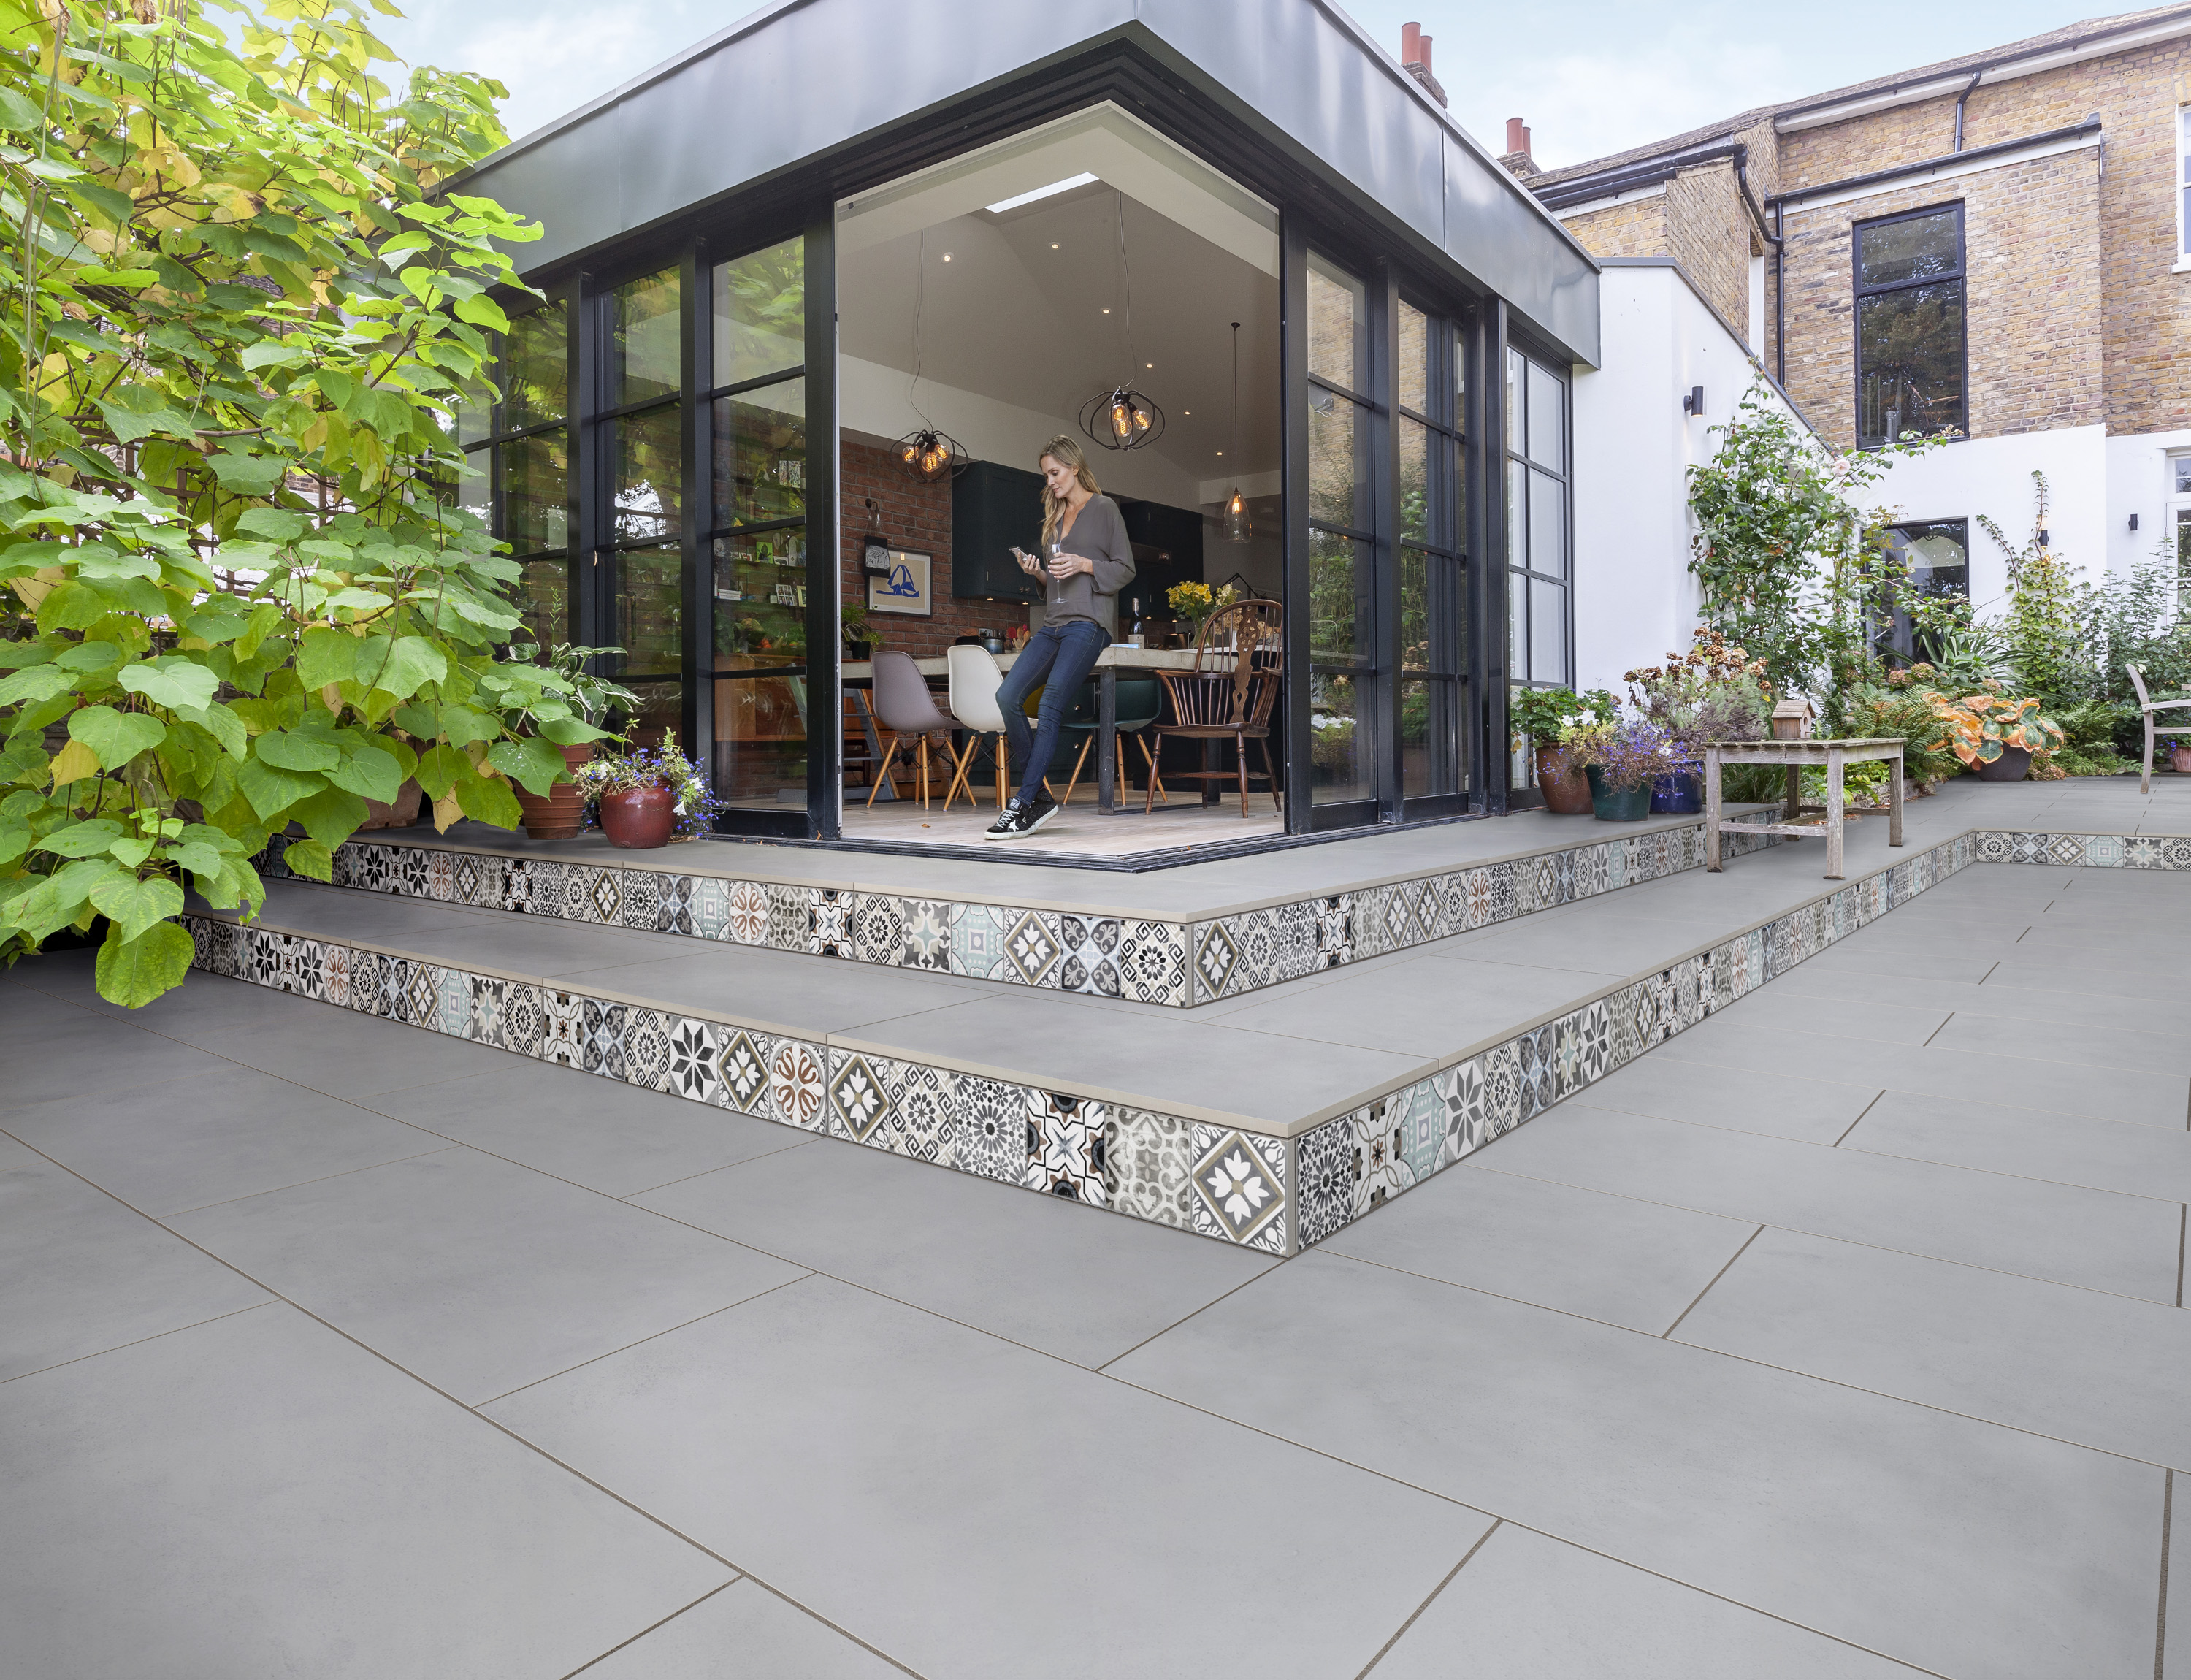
(857,1102)
(829,923)
(441,875)
(694,1072)
(1416,1119)
(1239,1184)
(646,1048)
(563,1029)
(1294,945)
(742,1067)
(749,914)
(1089,963)
(1148,1159)
(1216,960)
(879,930)
(976,942)
(789,916)
(1153,963)
(604,1026)
(1535,1065)
(1034,948)
(1463,1098)
(1381,1167)
(924,934)
(1065,1147)
(992,1129)
(1255,937)
(798,1077)
(1334,932)
(922,1108)
(638,898)
(1324,1178)
(711,907)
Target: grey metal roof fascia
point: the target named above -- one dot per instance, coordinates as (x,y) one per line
(1976,154)
(1698,292)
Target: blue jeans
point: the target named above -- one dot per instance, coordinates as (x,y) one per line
(1062,655)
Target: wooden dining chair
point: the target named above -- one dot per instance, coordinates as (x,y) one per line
(1240,658)
(2146,707)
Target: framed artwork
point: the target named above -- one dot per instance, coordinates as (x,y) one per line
(906,587)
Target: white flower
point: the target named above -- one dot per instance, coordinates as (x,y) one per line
(1237,1187)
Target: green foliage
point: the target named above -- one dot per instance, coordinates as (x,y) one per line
(1789,565)
(235,310)
(1898,712)
(1716,692)
(2047,639)
(1546,715)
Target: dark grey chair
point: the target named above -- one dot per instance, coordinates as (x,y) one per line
(904,706)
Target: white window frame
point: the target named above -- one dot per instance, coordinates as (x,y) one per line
(2177,505)
(2183,189)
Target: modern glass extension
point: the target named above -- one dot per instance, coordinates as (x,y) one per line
(689,446)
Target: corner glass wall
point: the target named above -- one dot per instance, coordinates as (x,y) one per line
(1343,673)
(1433,583)
(1540,625)
(640,443)
(756,540)
(517,440)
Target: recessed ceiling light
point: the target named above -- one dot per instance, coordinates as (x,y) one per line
(1106,311)
(1150,365)
(1220,452)
(1187,410)
(947,256)
(1064,185)
(1053,244)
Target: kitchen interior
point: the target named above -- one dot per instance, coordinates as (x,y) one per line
(984,307)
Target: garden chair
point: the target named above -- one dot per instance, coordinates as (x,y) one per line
(2148,707)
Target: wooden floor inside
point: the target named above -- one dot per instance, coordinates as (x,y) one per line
(1076,830)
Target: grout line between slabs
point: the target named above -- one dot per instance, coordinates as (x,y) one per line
(2160,1620)
(1859,1121)
(1482,1539)
(138,1341)
(1667,1335)
(642,1633)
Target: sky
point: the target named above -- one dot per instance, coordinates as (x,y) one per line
(1591,77)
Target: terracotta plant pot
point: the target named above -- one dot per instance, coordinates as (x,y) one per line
(400,812)
(1567,792)
(2179,757)
(1618,805)
(639,819)
(562,813)
(2012,765)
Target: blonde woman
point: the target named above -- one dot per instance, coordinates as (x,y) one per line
(1085,554)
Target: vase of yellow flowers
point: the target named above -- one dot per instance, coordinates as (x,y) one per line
(1195,602)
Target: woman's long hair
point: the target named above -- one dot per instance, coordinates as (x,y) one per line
(1064,450)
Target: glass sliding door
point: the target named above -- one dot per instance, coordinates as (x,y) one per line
(1344,701)
(1538,616)
(640,437)
(1433,580)
(517,440)
(754,411)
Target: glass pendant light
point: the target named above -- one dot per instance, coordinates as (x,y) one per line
(1122,417)
(1237,527)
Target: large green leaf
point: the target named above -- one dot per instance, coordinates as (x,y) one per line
(174,681)
(271,791)
(370,773)
(487,798)
(134,905)
(133,412)
(325,657)
(116,736)
(38,682)
(401,665)
(532,762)
(132,972)
(83,839)
(286,750)
(332,816)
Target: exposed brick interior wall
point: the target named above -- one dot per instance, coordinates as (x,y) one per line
(2032,255)
(916,516)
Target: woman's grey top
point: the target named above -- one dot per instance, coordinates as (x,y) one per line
(1099,534)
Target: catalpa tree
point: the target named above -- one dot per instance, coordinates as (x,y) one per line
(237,308)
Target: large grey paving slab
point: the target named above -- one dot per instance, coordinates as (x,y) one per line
(1638,1264)
(609,1136)
(1610,945)
(1905,961)
(1937,1540)
(92,1054)
(2036,972)
(2176,1645)
(202,1137)
(29,1016)
(80,1273)
(1428,1008)
(338,911)
(1832,1017)
(532,946)
(744,1632)
(977,1509)
(2135,1160)
(1528,1607)
(2097,1369)
(259,1497)
(1076,1281)
(2120,1093)
(2089,1237)
(779,991)
(346,1054)
(478,1275)
(1783,1105)
(2060,1010)
(1167,1061)
(2111,1047)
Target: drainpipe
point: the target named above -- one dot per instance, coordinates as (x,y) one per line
(1779,296)
(1960,100)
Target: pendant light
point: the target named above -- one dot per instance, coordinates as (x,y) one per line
(1122,417)
(1236,527)
(930,455)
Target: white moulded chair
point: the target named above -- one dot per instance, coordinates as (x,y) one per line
(2148,706)
(975,678)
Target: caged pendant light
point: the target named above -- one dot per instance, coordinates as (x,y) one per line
(1237,527)
(930,455)
(1122,417)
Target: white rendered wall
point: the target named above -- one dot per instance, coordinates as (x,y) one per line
(2141,481)
(1634,600)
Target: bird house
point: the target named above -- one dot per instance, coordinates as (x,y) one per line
(1791,719)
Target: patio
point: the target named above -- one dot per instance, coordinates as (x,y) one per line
(1833,1332)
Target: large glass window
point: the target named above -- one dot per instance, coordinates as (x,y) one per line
(1935,555)
(1342,598)
(1538,610)
(640,439)
(1433,582)
(756,411)
(1909,325)
(516,438)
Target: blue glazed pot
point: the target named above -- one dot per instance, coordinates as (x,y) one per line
(1617,805)
(1679,795)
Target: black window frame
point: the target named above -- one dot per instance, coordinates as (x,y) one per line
(1448,336)
(1519,575)
(1858,291)
(1895,635)
(489,448)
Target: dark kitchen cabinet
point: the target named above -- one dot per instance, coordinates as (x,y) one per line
(994,509)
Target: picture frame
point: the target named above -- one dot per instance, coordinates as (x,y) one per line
(908,589)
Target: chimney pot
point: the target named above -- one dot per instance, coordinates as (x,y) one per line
(1411,43)
(1426,59)
(1517,137)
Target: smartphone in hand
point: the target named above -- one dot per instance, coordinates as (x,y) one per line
(1029,563)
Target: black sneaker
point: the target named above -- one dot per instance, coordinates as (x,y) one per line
(1033,816)
(1009,823)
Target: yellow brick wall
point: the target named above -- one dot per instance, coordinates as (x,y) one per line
(2031,241)
(1708,233)
(1636,228)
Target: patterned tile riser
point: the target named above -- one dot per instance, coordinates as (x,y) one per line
(1143,961)
(1351,1165)
(2087,852)
(1206,1179)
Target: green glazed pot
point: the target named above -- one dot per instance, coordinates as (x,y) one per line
(1617,805)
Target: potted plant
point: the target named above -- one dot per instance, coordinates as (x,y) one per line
(1995,734)
(861,638)
(1620,759)
(648,797)
(1545,716)
(1716,692)
(556,698)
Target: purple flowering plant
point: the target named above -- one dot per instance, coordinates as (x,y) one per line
(662,766)
(1629,751)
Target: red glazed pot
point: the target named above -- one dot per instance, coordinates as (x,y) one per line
(562,812)
(1566,793)
(639,819)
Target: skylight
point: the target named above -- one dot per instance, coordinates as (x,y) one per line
(1065,185)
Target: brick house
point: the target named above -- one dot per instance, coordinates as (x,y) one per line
(1994,246)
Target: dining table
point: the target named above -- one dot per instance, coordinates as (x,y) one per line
(1118,656)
